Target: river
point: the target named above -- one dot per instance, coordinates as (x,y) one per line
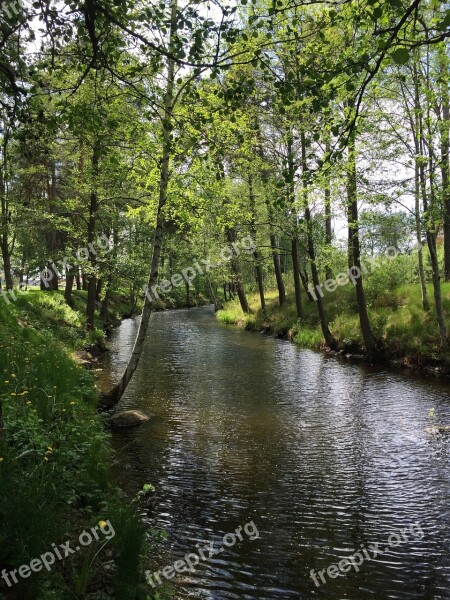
(325,457)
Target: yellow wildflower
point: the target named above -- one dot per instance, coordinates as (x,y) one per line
(102,524)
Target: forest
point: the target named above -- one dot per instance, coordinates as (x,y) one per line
(284,161)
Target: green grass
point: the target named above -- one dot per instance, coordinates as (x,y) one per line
(54,462)
(396,316)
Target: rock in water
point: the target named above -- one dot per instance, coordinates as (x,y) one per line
(438,429)
(129,418)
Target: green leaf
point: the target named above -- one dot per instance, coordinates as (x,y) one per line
(401,56)
(445,22)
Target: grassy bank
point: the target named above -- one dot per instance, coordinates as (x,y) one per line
(409,334)
(54,460)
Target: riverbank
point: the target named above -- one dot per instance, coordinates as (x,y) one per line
(409,335)
(55,480)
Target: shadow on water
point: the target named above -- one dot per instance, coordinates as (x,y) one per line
(323,456)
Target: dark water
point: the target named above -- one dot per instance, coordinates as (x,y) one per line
(322,456)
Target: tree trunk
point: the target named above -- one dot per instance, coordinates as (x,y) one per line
(329,339)
(355,249)
(231,236)
(105,305)
(188,292)
(305,283)
(256,256)
(98,290)
(296,273)
(52,236)
(328,217)
(2,430)
(429,207)
(277,267)
(110,399)
(423,285)
(444,126)
(93,209)
(69,285)
(5,216)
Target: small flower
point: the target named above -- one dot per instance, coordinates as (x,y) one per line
(72,403)
(1,459)
(7,381)
(102,524)
(46,458)
(13,394)
(13,375)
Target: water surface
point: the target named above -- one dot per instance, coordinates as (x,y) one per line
(322,455)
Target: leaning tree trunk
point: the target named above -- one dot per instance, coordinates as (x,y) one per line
(110,399)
